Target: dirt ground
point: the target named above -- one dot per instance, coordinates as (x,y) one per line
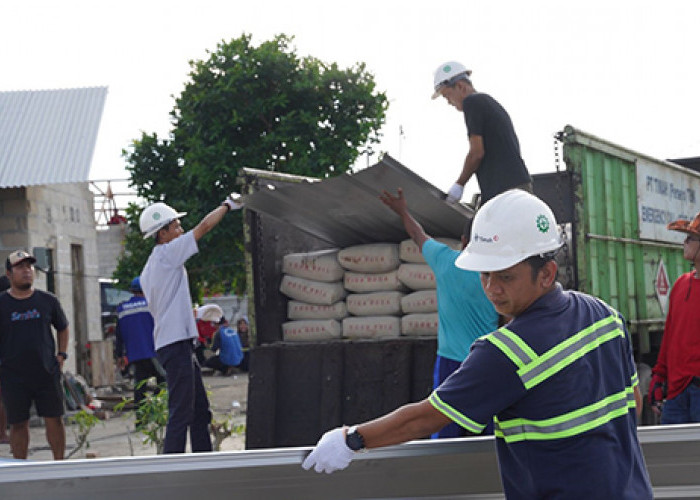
(115,436)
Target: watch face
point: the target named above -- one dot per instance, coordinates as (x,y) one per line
(354,439)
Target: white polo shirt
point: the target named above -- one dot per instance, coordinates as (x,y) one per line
(166,287)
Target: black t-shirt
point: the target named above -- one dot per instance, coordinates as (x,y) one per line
(27,345)
(501,168)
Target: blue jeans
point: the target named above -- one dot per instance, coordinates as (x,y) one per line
(443,369)
(188,405)
(684,408)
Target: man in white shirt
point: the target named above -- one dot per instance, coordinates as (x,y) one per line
(166,287)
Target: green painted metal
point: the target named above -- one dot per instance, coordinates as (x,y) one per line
(613,262)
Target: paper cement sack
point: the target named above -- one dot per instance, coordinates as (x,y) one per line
(310,329)
(318,266)
(371,258)
(417,276)
(423,301)
(371,327)
(419,324)
(303,310)
(366,282)
(313,292)
(374,304)
(409,252)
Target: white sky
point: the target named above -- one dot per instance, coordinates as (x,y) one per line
(625,71)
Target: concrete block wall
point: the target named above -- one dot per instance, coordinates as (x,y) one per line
(110,246)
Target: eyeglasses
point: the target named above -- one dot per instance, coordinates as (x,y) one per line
(689,238)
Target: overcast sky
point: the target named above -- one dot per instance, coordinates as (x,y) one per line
(625,71)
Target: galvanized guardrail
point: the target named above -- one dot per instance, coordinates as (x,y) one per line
(448,469)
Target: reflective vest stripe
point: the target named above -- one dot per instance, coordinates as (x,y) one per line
(135,310)
(512,346)
(573,348)
(568,424)
(454,415)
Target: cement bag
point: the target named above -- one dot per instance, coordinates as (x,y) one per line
(419,324)
(417,276)
(409,252)
(380,282)
(317,266)
(371,327)
(302,310)
(372,258)
(310,329)
(374,304)
(313,292)
(423,301)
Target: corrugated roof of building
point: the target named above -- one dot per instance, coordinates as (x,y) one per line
(48,136)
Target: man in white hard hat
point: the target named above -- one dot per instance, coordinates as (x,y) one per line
(494,150)
(558,380)
(166,287)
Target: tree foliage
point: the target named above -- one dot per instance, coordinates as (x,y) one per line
(249,106)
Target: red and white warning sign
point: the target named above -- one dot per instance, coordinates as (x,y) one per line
(662,286)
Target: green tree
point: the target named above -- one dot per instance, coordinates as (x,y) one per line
(249,106)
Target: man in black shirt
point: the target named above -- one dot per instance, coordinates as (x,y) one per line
(494,150)
(30,367)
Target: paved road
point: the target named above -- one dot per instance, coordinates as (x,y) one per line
(115,436)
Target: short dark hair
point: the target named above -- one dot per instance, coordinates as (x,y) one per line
(537,262)
(165,227)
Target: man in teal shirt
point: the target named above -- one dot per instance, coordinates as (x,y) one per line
(464,312)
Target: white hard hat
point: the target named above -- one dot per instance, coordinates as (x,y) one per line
(447,74)
(210,312)
(156,216)
(508,229)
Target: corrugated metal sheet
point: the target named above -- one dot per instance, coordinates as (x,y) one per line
(613,262)
(346,210)
(48,136)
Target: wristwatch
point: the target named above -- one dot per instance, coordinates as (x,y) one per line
(64,355)
(354,440)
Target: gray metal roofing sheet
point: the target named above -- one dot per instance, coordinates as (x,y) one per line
(346,210)
(48,136)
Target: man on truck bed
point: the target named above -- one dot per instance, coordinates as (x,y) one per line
(559,377)
(464,312)
(494,150)
(676,376)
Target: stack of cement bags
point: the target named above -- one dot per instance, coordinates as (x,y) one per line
(313,282)
(375,291)
(420,307)
(379,290)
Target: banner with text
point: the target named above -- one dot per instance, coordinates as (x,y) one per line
(663,195)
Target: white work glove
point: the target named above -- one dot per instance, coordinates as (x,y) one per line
(330,454)
(233,202)
(455,193)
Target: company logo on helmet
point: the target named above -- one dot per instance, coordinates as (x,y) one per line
(156,216)
(478,237)
(447,68)
(542,223)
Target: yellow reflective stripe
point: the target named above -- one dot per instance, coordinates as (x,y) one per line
(512,346)
(454,415)
(570,350)
(569,424)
